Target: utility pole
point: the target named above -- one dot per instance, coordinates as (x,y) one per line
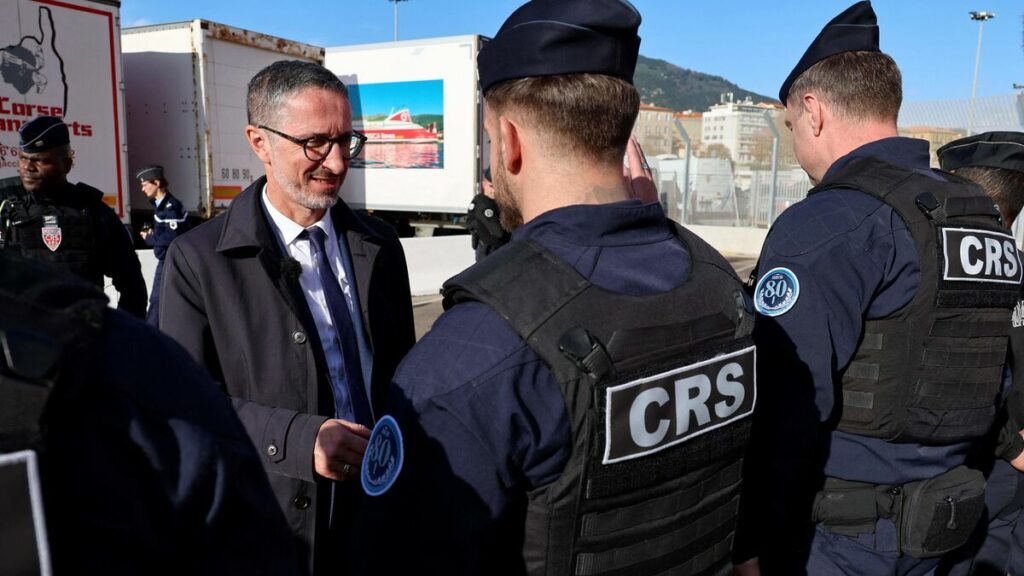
(395,2)
(978,17)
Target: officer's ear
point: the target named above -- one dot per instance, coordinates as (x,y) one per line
(259,143)
(69,161)
(813,112)
(511,144)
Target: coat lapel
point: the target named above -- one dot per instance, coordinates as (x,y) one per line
(248,231)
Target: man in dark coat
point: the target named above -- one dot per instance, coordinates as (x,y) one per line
(298,306)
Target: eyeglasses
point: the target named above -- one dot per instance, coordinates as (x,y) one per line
(316,148)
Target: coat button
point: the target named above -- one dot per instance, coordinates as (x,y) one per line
(298,337)
(301,502)
(272,449)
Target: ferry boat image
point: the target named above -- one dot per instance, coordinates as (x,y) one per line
(397,128)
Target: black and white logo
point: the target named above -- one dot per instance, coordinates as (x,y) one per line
(1017,316)
(651,414)
(980,256)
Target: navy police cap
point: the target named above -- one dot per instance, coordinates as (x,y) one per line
(991,149)
(151,172)
(551,37)
(856,29)
(43,133)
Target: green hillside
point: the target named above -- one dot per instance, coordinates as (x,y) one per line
(665,84)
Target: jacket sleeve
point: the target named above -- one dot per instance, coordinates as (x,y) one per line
(121,264)
(284,438)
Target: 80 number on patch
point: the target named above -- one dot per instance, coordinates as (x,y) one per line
(777,291)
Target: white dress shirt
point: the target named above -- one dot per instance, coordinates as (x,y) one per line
(301,250)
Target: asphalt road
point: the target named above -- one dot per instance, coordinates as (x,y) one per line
(426,309)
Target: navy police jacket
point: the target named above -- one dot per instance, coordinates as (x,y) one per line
(853,259)
(482,418)
(169,220)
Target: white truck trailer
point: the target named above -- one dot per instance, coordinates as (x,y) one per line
(64,59)
(185,86)
(419,102)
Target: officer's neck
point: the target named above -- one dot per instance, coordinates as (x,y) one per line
(569,183)
(160,196)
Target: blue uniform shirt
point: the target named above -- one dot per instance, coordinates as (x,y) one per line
(483,419)
(169,220)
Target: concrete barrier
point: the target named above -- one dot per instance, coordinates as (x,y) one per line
(433,260)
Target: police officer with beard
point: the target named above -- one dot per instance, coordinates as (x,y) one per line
(581,406)
(882,301)
(44,217)
(995,161)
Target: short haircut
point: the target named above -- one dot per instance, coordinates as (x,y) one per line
(859,85)
(269,86)
(1005,187)
(588,114)
(161,182)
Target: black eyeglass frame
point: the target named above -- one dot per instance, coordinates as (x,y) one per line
(357,137)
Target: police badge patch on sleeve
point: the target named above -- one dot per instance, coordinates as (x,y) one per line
(383,459)
(776,292)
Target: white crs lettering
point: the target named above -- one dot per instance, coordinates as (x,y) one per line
(691,403)
(988,256)
(980,256)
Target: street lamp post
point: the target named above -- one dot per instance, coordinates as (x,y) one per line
(980,17)
(395,2)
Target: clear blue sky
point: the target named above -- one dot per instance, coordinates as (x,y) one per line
(752,43)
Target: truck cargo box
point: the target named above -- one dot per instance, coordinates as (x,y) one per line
(64,59)
(419,103)
(185,86)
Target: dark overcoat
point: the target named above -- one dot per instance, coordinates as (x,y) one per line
(231,300)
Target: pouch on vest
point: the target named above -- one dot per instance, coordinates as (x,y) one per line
(941,513)
(645,490)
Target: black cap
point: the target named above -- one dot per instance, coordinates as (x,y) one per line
(151,172)
(550,37)
(991,149)
(43,133)
(856,29)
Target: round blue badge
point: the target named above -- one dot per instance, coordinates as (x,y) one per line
(383,459)
(776,292)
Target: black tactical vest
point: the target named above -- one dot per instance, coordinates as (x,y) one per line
(46,354)
(930,373)
(658,390)
(66,233)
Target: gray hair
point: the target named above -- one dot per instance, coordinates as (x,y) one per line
(269,87)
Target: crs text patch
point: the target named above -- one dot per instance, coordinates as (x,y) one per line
(653,413)
(980,256)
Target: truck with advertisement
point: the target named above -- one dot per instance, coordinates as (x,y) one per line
(185,87)
(63,58)
(419,103)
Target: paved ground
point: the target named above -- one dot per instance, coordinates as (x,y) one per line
(426,309)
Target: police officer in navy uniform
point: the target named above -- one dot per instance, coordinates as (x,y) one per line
(45,217)
(882,301)
(582,406)
(141,463)
(995,160)
(169,220)
(484,220)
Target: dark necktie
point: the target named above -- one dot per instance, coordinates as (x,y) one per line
(338,307)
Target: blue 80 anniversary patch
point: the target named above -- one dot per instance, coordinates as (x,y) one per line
(776,292)
(383,459)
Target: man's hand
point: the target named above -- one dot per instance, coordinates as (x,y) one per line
(638,175)
(748,568)
(339,449)
(1018,462)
